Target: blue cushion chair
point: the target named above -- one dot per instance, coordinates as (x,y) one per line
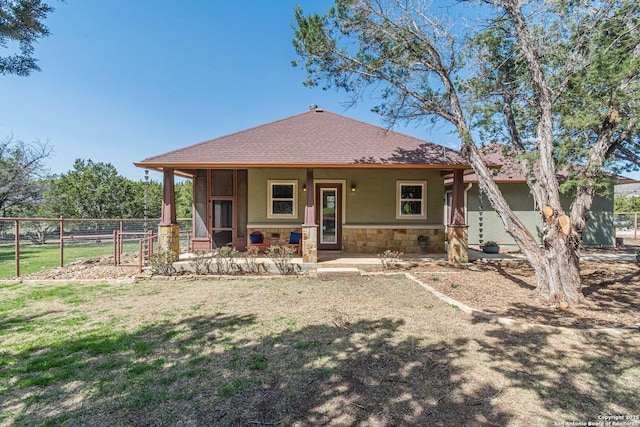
(295,240)
(256,238)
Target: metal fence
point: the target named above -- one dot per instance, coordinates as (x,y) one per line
(32,244)
(626,224)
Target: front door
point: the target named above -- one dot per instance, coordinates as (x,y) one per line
(329,203)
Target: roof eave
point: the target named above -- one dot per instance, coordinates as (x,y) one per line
(159,166)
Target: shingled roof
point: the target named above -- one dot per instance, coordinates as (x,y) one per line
(315,138)
(510,170)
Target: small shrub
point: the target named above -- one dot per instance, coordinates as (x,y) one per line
(226,260)
(250,264)
(202,263)
(281,257)
(162,263)
(490,243)
(390,259)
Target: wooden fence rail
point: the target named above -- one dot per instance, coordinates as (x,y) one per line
(67,233)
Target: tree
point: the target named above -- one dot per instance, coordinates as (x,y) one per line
(557,80)
(626,204)
(145,193)
(21,171)
(90,190)
(21,24)
(184,199)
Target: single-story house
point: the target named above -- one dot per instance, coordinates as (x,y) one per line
(485,224)
(348,185)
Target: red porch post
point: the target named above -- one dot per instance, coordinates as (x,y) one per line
(168,215)
(168,228)
(458,235)
(310,228)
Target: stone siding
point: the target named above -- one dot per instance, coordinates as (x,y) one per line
(275,235)
(377,240)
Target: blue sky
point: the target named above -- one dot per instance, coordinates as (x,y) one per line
(123,80)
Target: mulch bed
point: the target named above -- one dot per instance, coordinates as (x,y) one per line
(507,288)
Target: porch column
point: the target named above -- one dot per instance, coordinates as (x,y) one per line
(310,228)
(458,234)
(168,228)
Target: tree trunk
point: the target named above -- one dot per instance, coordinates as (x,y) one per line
(563,264)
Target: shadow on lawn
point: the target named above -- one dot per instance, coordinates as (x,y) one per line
(229,370)
(582,376)
(206,371)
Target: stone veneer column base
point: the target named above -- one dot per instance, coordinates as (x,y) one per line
(169,239)
(458,251)
(310,244)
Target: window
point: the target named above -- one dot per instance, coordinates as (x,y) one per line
(411,199)
(283,199)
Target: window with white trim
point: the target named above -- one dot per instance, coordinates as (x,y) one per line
(283,199)
(411,199)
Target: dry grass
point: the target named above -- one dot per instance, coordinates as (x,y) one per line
(375,350)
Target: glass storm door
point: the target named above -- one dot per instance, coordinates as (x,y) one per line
(329,216)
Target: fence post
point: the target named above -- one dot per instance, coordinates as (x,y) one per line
(121,240)
(61,241)
(115,247)
(17,239)
(150,244)
(140,256)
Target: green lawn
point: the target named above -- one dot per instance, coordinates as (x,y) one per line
(39,257)
(377,350)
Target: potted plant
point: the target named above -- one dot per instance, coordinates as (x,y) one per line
(490,247)
(422,242)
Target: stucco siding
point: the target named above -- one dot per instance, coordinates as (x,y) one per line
(372,202)
(484,224)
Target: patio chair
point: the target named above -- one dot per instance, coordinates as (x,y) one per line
(295,240)
(256,238)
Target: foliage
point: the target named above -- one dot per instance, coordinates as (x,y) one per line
(627,204)
(390,259)
(281,257)
(21,171)
(141,193)
(490,243)
(162,263)
(96,190)
(250,260)
(558,81)
(184,199)
(226,260)
(21,25)
(202,262)
(423,239)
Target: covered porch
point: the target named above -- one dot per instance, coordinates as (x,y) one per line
(346,185)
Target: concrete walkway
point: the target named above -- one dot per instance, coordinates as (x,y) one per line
(350,260)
